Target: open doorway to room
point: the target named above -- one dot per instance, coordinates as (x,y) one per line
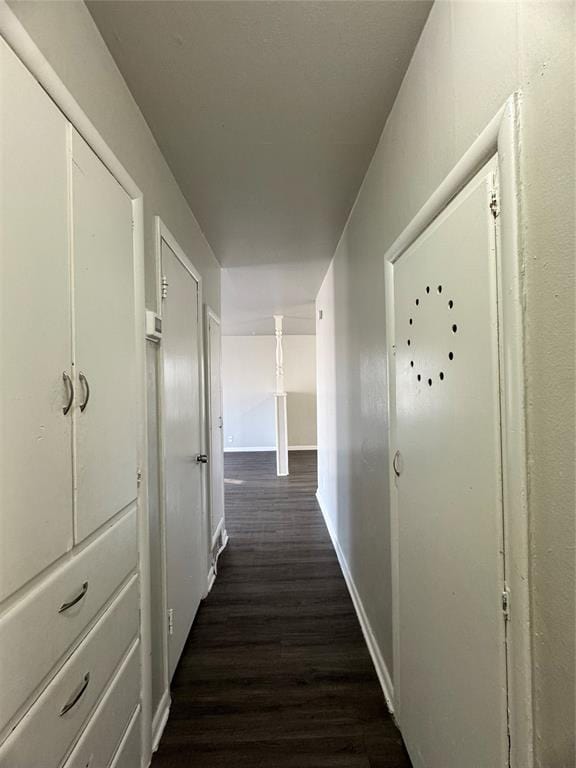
(249,389)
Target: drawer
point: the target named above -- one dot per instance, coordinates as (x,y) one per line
(130,750)
(55,720)
(36,633)
(106,728)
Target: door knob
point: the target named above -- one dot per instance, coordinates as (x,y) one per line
(202,458)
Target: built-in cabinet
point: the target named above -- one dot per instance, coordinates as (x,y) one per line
(69,564)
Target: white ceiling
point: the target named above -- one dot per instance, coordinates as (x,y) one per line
(268,113)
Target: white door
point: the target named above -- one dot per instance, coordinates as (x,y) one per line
(452,654)
(105,342)
(215,424)
(35,329)
(182,445)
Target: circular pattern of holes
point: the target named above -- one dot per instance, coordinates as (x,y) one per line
(454,329)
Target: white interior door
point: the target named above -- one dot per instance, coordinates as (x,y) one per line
(182,444)
(452,653)
(215,425)
(105,342)
(35,329)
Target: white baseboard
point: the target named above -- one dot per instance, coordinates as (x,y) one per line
(249,449)
(261,448)
(225,539)
(217,533)
(160,720)
(377,659)
(223,533)
(210,581)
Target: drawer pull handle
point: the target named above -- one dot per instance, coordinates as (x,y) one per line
(76,696)
(84,381)
(79,596)
(70,387)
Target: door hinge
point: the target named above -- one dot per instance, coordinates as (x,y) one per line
(164,284)
(494,205)
(138,477)
(170,621)
(506,604)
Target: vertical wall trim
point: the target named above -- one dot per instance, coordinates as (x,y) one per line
(212,317)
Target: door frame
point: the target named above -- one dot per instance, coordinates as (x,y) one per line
(499,139)
(159,718)
(163,234)
(28,52)
(221,530)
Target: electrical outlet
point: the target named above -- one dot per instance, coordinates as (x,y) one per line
(230,439)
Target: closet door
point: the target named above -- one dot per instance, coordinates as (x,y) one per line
(452,630)
(185,543)
(104,358)
(35,346)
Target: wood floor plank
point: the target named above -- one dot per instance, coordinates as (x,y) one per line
(276,673)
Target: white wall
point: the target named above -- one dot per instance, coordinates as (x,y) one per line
(300,384)
(249,379)
(470,58)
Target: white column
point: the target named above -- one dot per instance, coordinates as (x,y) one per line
(280,402)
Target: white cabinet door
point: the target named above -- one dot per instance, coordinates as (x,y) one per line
(35,330)
(185,579)
(105,341)
(452,676)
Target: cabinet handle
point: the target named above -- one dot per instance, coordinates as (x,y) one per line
(79,596)
(75,698)
(84,381)
(68,381)
(397,463)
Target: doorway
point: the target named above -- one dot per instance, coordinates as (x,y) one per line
(183,444)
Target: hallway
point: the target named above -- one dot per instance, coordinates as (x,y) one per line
(276,673)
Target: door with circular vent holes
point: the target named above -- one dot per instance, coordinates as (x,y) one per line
(452,646)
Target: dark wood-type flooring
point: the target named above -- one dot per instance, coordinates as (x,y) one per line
(276,673)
